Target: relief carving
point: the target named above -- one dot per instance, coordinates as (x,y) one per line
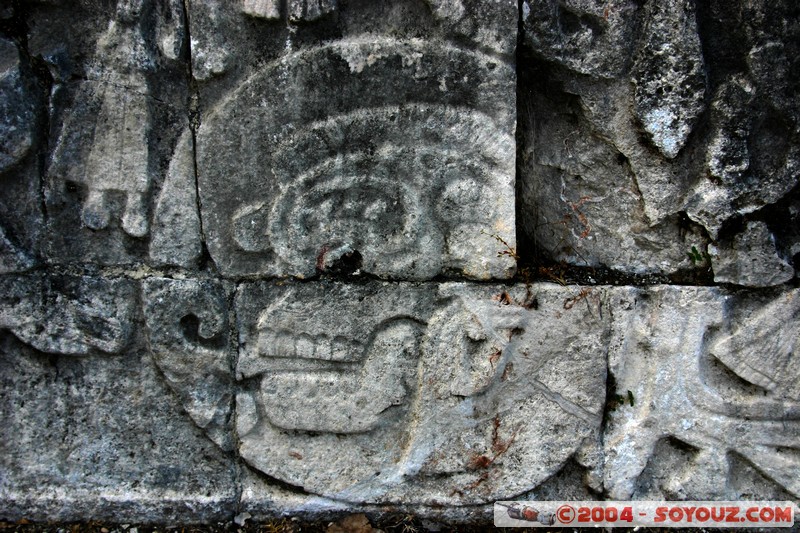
(414,182)
(116,125)
(176,222)
(118,157)
(339,397)
(384,392)
(712,374)
(188,331)
(67,314)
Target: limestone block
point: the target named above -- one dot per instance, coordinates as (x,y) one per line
(119,103)
(582,201)
(593,191)
(592,37)
(429,394)
(751,163)
(68,315)
(696,132)
(349,396)
(420,394)
(189,339)
(751,259)
(102,438)
(20,187)
(241,240)
(713,408)
(393,148)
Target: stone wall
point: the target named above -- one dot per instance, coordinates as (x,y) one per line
(311,256)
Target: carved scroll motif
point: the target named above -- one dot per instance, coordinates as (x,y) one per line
(188,331)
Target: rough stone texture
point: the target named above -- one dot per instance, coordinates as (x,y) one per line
(168,167)
(68,314)
(443,397)
(588,36)
(421,394)
(176,228)
(20,204)
(751,260)
(744,180)
(17,110)
(187,324)
(118,99)
(585,200)
(410,182)
(669,75)
(630,81)
(715,382)
(102,438)
(350,395)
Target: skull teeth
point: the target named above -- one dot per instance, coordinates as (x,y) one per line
(283,344)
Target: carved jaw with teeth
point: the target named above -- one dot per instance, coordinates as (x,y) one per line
(319,383)
(278,345)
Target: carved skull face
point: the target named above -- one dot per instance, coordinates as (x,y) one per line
(410,179)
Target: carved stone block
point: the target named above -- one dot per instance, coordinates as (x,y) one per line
(68,314)
(709,397)
(256,256)
(102,438)
(395,158)
(119,184)
(188,331)
(425,394)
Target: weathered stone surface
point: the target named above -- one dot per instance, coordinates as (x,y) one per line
(102,438)
(68,314)
(161,162)
(582,201)
(114,130)
(20,196)
(751,163)
(443,396)
(669,75)
(177,236)
(713,383)
(12,258)
(17,108)
(407,165)
(710,167)
(751,260)
(350,395)
(589,36)
(263,500)
(189,338)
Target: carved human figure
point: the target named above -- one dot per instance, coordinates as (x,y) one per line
(118,158)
